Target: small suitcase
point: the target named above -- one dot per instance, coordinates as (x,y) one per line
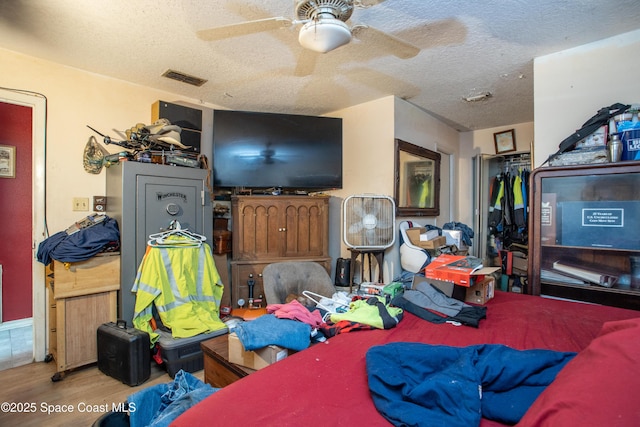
(124,353)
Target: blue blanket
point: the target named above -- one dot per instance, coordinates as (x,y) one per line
(415,384)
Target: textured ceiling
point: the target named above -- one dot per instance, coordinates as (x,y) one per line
(466,48)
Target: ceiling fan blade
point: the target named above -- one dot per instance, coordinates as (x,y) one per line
(244,28)
(363,4)
(398,47)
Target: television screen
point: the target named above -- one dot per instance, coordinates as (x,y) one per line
(265,150)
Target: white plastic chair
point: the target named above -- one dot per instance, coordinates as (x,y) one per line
(412,258)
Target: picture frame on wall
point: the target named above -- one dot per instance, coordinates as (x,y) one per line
(7,161)
(505,141)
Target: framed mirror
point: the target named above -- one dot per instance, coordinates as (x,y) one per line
(417,176)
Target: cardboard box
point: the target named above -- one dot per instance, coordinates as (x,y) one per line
(440,268)
(436,243)
(520,263)
(481,292)
(454,237)
(419,236)
(414,234)
(256,359)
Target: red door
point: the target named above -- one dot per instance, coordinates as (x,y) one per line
(16,213)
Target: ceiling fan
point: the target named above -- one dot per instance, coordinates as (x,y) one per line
(323,28)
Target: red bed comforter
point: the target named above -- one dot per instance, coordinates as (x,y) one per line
(326,385)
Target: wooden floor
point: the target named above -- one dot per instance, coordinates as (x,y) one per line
(30,386)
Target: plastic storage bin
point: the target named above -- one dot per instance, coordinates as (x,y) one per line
(184,353)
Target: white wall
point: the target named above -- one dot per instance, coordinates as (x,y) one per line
(572,85)
(367,146)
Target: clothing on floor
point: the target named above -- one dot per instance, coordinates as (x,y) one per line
(159,405)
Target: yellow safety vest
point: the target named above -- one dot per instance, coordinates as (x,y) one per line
(185,287)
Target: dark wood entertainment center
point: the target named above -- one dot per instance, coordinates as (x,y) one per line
(268,229)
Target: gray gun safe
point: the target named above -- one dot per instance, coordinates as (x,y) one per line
(145,198)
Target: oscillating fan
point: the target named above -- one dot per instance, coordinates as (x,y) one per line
(369,221)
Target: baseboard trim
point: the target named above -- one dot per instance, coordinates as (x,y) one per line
(13,324)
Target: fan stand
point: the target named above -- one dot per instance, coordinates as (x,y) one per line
(355,253)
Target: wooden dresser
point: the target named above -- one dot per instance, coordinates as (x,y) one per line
(81,296)
(268,229)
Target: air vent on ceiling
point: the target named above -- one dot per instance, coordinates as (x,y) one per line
(184,78)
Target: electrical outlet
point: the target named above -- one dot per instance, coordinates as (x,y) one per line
(80,203)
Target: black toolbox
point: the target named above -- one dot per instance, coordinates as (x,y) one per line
(124,353)
(183,353)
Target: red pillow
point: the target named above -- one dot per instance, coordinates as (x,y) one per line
(599,387)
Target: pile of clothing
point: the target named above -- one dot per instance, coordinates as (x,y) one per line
(429,303)
(295,326)
(159,405)
(79,244)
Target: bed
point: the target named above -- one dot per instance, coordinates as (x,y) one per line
(327,385)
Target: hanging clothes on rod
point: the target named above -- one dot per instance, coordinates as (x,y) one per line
(509,201)
(175,236)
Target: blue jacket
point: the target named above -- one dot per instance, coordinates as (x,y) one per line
(414,384)
(79,246)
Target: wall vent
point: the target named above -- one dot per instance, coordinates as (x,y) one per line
(184,78)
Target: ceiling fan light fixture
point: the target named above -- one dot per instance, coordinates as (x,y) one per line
(324,35)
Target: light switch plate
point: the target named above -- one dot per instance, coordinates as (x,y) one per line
(80,203)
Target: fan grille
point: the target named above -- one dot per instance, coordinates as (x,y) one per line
(313,9)
(369,222)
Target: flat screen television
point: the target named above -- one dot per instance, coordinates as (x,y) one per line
(267,150)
